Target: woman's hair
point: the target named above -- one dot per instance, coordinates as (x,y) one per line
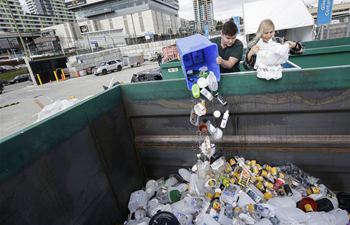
(263,26)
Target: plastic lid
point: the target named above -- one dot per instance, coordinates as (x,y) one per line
(164,218)
(212,82)
(217,114)
(202,82)
(174,195)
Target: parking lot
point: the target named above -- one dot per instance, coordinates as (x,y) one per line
(20,103)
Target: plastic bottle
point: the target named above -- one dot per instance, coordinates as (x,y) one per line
(224,119)
(185,174)
(175,193)
(195,91)
(218,165)
(217,135)
(221,99)
(202,82)
(151,187)
(200,108)
(171,181)
(162,195)
(207,94)
(194,118)
(138,199)
(212,81)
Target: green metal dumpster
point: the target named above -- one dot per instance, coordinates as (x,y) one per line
(327,43)
(79,166)
(171,70)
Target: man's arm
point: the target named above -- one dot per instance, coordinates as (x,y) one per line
(227,64)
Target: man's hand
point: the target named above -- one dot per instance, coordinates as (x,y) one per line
(219,60)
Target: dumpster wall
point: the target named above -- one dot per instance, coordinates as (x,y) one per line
(301,118)
(80,166)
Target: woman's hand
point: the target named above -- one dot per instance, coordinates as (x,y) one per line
(255,49)
(291,44)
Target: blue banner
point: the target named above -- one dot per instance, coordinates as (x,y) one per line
(237,21)
(324,12)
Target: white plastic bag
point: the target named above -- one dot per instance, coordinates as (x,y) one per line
(269,59)
(56,107)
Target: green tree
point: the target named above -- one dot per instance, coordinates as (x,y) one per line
(218,25)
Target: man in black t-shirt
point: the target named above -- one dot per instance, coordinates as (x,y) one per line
(230,48)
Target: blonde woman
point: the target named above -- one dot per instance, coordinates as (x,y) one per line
(266,33)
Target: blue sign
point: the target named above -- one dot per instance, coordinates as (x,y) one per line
(324,12)
(237,21)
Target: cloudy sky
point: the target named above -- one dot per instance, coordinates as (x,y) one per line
(224,9)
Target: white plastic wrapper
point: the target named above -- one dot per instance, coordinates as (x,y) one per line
(269,59)
(56,107)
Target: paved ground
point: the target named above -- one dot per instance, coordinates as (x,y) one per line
(20,103)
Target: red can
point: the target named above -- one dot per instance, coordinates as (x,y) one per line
(279,183)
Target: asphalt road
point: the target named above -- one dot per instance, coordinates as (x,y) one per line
(21,103)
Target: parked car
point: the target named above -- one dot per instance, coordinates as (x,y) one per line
(6,68)
(20,78)
(105,67)
(147,75)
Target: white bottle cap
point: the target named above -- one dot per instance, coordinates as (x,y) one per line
(217,114)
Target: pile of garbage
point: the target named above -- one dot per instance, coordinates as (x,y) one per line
(233,191)
(238,192)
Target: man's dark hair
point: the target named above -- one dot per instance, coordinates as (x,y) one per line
(229,28)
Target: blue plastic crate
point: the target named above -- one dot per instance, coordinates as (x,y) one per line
(196,51)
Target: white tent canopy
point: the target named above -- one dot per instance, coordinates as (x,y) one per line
(285,14)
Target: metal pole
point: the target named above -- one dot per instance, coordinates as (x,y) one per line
(23,46)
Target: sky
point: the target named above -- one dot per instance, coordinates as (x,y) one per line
(224,9)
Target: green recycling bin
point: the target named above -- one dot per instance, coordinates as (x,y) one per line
(171,70)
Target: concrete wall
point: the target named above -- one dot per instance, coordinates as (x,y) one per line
(147,50)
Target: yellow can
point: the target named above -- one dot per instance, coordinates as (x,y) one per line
(315,190)
(281,175)
(209,195)
(225,181)
(259,166)
(308,208)
(260,186)
(232,161)
(216,205)
(267,195)
(228,168)
(259,178)
(255,170)
(217,193)
(251,208)
(233,180)
(264,173)
(267,167)
(253,163)
(273,171)
(268,185)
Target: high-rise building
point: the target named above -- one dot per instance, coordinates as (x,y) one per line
(204,14)
(135,17)
(31,23)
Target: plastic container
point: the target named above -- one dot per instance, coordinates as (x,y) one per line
(138,199)
(195,52)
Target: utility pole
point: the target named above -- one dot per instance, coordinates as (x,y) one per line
(26,59)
